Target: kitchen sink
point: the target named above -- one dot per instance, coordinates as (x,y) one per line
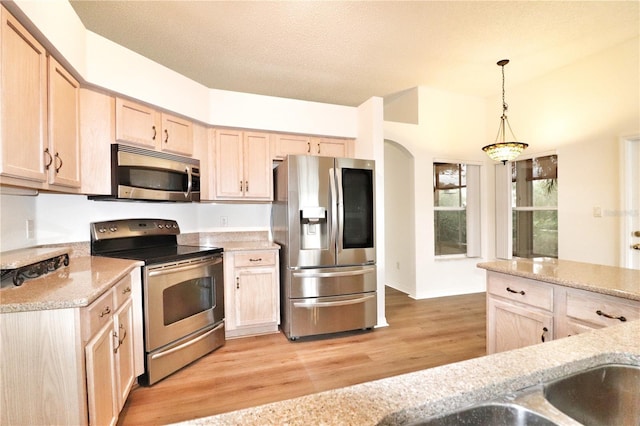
(491,414)
(605,395)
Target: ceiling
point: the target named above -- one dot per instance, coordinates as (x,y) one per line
(344,52)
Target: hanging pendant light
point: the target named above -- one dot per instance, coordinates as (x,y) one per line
(504,149)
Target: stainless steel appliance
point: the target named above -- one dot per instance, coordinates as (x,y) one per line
(182,289)
(142,174)
(324,219)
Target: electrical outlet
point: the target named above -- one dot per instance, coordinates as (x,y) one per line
(223,221)
(31,229)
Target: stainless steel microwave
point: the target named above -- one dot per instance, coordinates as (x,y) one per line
(142,174)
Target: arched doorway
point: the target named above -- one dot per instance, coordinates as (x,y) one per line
(399,222)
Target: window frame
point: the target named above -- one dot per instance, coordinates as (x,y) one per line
(471,207)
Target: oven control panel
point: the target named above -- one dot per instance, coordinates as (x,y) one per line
(124,228)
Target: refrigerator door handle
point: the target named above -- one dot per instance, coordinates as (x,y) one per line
(340,208)
(354,301)
(333,274)
(334,207)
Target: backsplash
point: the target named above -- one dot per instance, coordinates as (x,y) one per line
(61,218)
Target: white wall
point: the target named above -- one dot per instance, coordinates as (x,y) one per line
(399,223)
(103,63)
(451,128)
(581,111)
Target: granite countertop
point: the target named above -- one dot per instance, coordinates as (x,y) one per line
(620,282)
(77,285)
(411,397)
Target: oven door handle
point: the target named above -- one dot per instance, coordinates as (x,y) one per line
(355,301)
(187,344)
(179,267)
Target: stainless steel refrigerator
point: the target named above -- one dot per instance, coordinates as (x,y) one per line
(323,217)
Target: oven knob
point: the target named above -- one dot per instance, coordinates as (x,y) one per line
(113,228)
(160,226)
(175,226)
(102,230)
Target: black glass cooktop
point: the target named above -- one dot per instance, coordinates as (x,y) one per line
(163,254)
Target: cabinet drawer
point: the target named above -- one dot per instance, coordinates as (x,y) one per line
(530,292)
(97,315)
(122,291)
(255,258)
(601,309)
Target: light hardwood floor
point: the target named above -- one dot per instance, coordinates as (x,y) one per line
(257,370)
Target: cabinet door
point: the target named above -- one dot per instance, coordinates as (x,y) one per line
(511,326)
(23,102)
(177,135)
(258,170)
(64,127)
(228,156)
(97,126)
(255,298)
(137,124)
(284,145)
(123,353)
(328,147)
(100,378)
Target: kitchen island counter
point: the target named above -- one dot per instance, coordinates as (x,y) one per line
(410,397)
(611,280)
(77,285)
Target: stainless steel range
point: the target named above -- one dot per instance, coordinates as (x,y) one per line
(182,289)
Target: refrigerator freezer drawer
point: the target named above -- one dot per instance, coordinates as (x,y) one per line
(332,281)
(323,315)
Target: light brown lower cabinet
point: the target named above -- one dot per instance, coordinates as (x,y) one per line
(523,312)
(72,365)
(251,293)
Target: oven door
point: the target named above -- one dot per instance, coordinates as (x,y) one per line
(181,298)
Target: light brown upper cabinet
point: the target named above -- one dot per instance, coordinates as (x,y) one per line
(39,104)
(283,145)
(243,169)
(144,126)
(64,127)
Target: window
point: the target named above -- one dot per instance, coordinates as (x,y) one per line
(534,201)
(456,209)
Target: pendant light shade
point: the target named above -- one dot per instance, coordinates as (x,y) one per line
(504,148)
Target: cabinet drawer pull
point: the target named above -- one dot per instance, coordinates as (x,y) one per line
(153,138)
(544,330)
(105,311)
(255,260)
(166,136)
(46,166)
(308,147)
(237,283)
(514,291)
(60,166)
(604,314)
(246,186)
(126,290)
(120,341)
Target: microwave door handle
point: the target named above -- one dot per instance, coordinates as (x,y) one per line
(189,182)
(334,208)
